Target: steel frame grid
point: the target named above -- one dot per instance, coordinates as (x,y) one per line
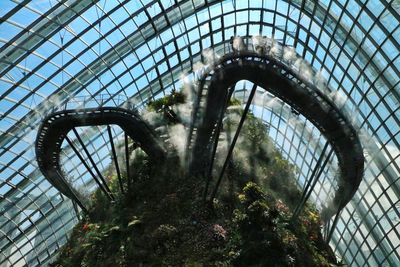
(301,5)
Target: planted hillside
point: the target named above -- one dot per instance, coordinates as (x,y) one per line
(163,218)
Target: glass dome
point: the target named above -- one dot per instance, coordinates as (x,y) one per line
(54,53)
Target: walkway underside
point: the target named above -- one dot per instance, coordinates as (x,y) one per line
(277,78)
(56,127)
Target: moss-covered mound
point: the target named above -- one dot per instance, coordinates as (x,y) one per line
(163,220)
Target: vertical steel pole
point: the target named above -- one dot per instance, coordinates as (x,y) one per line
(215,144)
(115,158)
(128,176)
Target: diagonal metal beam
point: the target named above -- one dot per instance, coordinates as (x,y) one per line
(71,144)
(103,181)
(42,30)
(232,146)
(312,180)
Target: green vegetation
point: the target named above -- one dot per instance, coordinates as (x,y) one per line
(162,219)
(167,101)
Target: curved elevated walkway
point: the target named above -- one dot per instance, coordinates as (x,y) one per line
(276,77)
(56,126)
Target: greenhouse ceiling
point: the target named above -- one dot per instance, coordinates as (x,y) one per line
(54,53)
